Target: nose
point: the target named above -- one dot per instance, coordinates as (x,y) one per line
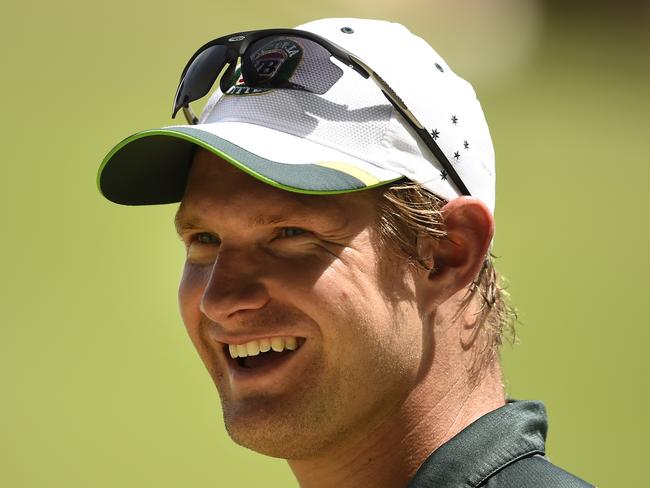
(234,285)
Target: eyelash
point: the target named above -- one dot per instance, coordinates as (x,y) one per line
(197,238)
(283,231)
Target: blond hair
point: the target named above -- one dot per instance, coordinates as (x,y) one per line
(407,211)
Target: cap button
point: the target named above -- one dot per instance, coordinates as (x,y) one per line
(347,30)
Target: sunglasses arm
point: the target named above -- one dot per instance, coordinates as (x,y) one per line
(189,115)
(401,107)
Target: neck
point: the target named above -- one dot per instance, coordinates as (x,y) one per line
(388,454)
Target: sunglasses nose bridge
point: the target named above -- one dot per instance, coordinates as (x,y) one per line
(233,52)
(226,78)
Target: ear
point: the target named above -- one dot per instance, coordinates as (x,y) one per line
(457,259)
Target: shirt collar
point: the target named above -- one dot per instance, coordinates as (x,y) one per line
(496,439)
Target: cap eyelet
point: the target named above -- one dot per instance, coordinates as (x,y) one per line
(439,68)
(347,30)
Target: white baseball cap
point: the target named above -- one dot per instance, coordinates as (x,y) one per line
(336,133)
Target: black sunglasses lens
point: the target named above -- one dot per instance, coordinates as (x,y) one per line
(200,75)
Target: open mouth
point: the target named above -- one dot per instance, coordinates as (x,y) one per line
(262,354)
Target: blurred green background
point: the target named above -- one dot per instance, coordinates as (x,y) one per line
(100,385)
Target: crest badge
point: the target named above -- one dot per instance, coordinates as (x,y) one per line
(275,60)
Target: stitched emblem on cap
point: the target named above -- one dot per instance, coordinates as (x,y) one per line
(275,61)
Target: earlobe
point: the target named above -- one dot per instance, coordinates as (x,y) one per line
(457,259)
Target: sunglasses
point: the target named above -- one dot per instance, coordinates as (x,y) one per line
(237,54)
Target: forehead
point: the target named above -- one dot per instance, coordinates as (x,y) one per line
(216,187)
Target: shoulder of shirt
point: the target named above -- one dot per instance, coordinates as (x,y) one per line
(533,472)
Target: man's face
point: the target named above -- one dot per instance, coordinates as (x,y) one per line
(264,263)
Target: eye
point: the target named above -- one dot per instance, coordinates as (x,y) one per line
(205,238)
(291,231)
(202,248)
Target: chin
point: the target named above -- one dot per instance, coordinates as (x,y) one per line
(285,442)
(277,432)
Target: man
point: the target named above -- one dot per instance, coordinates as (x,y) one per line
(337,200)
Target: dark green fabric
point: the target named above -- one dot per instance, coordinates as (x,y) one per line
(503,449)
(302,176)
(533,471)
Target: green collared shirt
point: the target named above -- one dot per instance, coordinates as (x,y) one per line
(502,449)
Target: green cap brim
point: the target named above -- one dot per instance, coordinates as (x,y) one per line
(151,167)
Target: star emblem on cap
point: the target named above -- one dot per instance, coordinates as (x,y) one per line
(443,175)
(466,145)
(454,119)
(456,155)
(435,133)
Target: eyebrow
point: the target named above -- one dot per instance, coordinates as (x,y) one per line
(179,225)
(183,223)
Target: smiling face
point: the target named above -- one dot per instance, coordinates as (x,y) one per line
(264,265)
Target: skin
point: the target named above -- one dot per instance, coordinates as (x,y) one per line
(382,379)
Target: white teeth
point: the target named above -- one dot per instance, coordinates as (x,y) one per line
(253,348)
(277,344)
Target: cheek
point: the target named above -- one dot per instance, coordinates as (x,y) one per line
(347,299)
(370,316)
(190,292)
(371,348)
